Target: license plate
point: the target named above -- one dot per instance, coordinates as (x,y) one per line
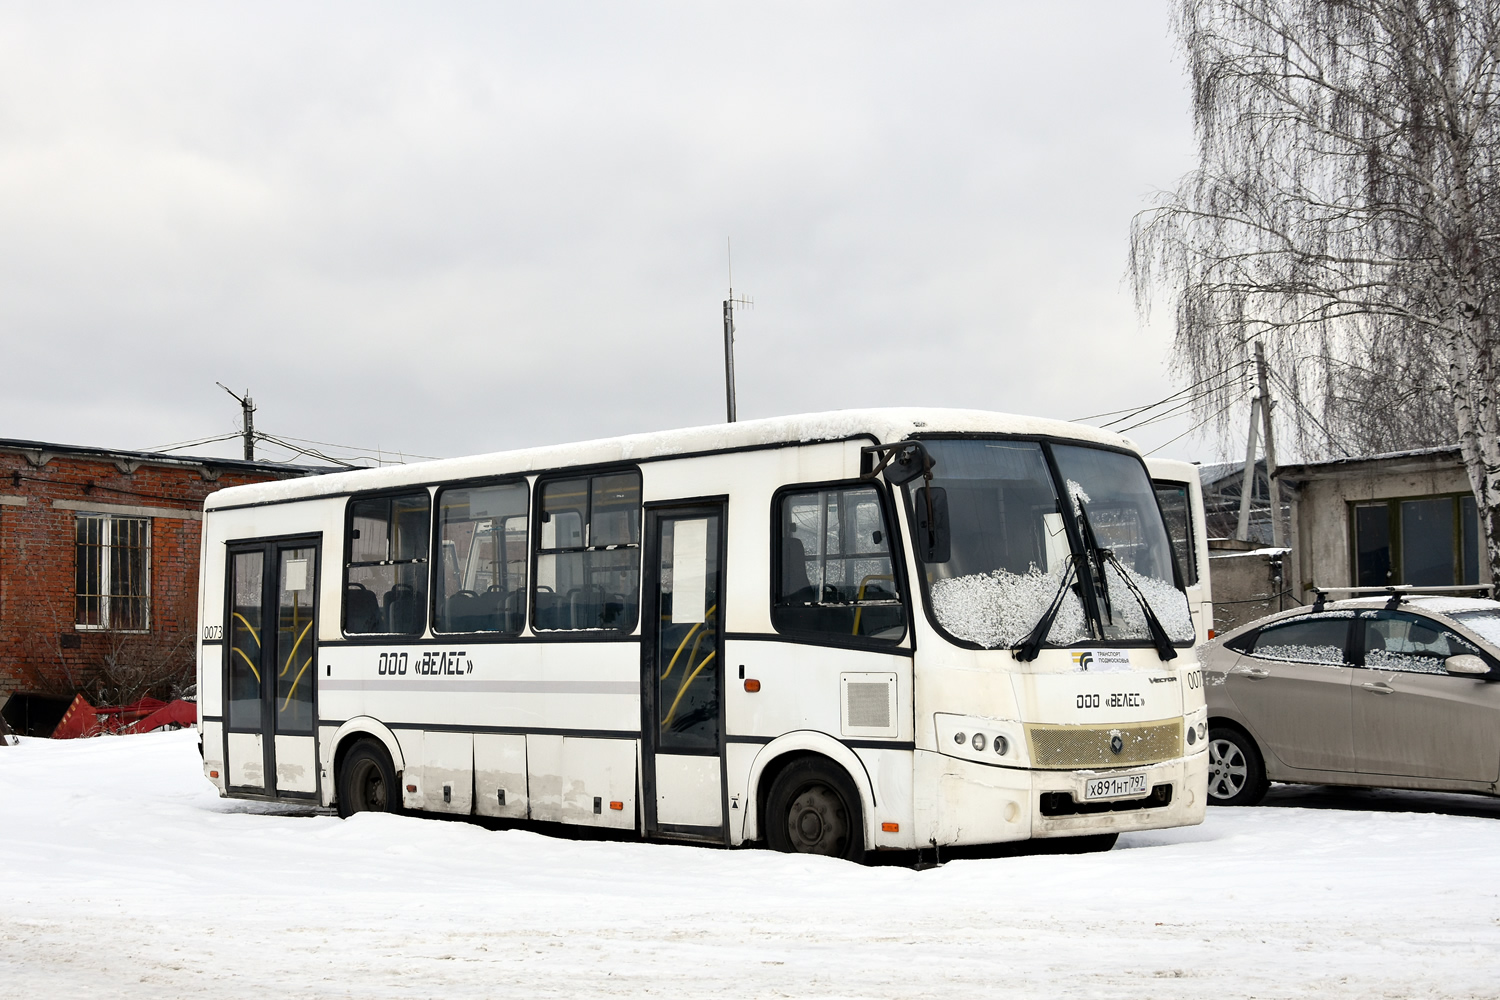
(1119,786)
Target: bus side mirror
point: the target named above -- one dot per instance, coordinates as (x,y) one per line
(909,462)
(931,535)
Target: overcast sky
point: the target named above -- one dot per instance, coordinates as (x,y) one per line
(447,229)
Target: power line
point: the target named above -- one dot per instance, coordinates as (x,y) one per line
(1132,411)
(1310,415)
(1196,427)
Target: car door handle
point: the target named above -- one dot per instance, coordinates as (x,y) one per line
(1380,687)
(1257,672)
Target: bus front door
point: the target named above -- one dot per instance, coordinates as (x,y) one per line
(270,669)
(682,697)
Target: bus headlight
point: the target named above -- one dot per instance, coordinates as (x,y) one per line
(1002,745)
(959,738)
(978,742)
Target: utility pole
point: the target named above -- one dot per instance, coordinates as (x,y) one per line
(247,408)
(729,305)
(1273,488)
(729,352)
(1247,482)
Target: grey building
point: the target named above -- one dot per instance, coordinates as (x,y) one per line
(1405,517)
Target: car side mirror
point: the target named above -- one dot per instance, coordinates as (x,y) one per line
(1466,665)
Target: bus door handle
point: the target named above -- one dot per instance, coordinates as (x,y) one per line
(1380,687)
(1257,673)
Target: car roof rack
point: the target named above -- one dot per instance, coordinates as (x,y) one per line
(1398,592)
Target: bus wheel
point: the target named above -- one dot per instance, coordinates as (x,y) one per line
(1236,772)
(367,781)
(813,808)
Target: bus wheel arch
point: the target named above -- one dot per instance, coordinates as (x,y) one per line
(817,750)
(350,734)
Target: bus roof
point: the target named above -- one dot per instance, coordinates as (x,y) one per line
(886,425)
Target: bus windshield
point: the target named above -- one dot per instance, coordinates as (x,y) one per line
(1011,546)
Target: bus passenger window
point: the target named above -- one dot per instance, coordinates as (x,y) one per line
(835,573)
(481,576)
(588,563)
(385,579)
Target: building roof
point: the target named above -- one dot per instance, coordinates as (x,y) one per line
(1392,460)
(40,452)
(886,425)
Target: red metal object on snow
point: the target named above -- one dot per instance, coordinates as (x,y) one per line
(79,720)
(82,719)
(184,713)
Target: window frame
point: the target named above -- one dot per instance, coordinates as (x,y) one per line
(1352,636)
(626,630)
(348,551)
(1045,442)
(1186,576)
(897,556)
(104,554)
(436,547)
(1435,624)
(1395,538)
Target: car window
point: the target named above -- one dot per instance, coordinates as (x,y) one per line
(1304,640)
(1397,640)
(1485,622)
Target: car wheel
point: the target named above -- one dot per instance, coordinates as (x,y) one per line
(1236,772)
(367,781)
(813,808)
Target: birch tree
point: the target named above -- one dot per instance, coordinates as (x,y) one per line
(1345,211)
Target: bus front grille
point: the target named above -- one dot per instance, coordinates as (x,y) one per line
(1073,747)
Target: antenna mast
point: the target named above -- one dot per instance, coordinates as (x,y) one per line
(247,407)
(729,305)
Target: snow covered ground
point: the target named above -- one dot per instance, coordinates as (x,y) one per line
(122,874)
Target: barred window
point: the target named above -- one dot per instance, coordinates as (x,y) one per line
(113,575)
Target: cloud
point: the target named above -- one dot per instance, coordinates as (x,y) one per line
(460,229)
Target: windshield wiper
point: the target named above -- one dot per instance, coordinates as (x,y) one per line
(1097,554)
(1027,648)
(1159,637)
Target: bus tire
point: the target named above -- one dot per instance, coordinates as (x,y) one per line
(813,808)
(367,781)
(1236,770)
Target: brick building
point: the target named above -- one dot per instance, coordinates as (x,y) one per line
(99,566)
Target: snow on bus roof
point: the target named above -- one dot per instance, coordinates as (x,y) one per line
(889,424)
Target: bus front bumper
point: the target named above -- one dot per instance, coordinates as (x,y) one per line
(980,804)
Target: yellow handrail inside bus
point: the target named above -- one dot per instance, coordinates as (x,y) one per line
(295,681)
(250,662)
(691,632)
(248,627)
(682,688)
(861,596)
(293,652)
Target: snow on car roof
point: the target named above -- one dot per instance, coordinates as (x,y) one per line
(1437,604)
(887,425)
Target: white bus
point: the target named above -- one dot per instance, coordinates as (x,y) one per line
(1180,494)
(885,629)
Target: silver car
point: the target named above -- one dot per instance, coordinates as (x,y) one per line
(1392,692)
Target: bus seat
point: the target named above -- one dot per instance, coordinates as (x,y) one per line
(549,608)
(796,588)
(401,611)
(464,611)
(361,609)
